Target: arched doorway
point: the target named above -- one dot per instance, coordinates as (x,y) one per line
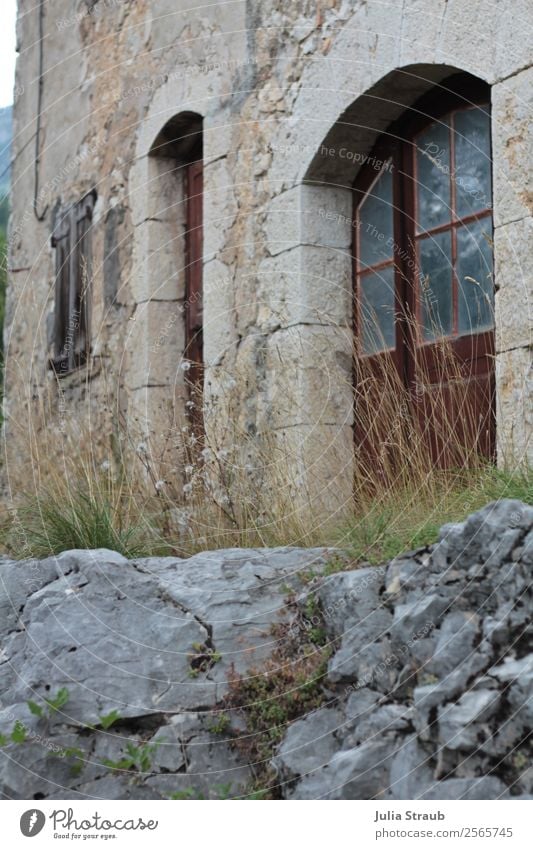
(423,281)
(178,184)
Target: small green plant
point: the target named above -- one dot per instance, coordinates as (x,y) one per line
(220,792)
(289,686)
(19,734)
(336,564)
(186,795)
(78,757)
(109,719)
(318,636)
(312,607)
(254,793)
(313,623)
(51,705)
(36,709)
(427,679)
(136,757)
(307,575)
(58,701)
(202,659)
(520,761)
(220,725)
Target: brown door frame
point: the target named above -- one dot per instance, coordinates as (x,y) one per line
(399,144)
(194,186)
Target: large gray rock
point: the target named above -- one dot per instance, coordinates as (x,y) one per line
(359,773)
(464,725)
(156,641)
(349,598)
(309,743)
(363,656)
(457,638)
(415,617)
(431,704)
(428,691)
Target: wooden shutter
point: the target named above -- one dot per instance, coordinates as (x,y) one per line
(81,295)
(61,243)
(72,243)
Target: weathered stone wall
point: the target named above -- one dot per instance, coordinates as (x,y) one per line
(274,82)
(241,671)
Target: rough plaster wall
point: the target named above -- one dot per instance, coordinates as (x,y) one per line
(270,79)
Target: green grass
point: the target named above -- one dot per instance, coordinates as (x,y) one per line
(404,520)
(49,525)
(383,526)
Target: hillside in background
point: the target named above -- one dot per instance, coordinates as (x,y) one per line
(6,131)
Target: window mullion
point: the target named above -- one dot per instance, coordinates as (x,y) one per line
(401,262)
(453,204)
(406,215)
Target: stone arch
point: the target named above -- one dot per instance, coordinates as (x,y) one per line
(311,225)
(158,337)
(377,40)
(182,102)
(369,116)
(375,45)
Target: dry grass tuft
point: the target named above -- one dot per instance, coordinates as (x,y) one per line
(182,491)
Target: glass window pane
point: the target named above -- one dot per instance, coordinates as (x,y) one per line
(433,177)
(472,161)
(375,222)
(474,275)
(377,311)
(436,295)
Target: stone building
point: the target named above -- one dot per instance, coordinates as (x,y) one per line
(200,189)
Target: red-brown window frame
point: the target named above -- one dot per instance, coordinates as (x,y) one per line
(194,262)
(193,190)
(451,226)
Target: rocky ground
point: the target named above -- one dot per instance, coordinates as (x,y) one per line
(279,673)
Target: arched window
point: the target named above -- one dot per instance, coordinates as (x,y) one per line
(423,264)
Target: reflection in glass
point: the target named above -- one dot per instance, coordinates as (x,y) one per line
(472,161)
(375,223)
(377,311)
(474,275)
(436,296)
(433,176)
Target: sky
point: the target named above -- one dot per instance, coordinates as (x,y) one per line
(7,50)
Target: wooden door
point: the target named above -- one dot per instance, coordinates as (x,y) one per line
(379,371)
(451,357)
(424,287)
